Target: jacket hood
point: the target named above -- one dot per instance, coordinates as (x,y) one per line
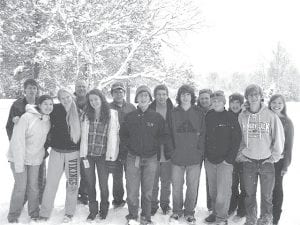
(33,110)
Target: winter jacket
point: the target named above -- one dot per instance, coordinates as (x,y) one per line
(168,120)
(223,137)
(288,143)
(59,134)
(142,133)
(188,133)
(122,111)
(262,135)
(28,138)
(17,109)
(112,150)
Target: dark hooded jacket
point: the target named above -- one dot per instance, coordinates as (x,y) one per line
(168,121)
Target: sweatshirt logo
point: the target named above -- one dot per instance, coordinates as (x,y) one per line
(256,129)
(186,127)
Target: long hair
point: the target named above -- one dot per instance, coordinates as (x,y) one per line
(273,97)
(186,89)
(72,117)
(104,111)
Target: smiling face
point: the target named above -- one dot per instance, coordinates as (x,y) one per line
(161,96)
(186,98)
(66,99)
(95,101)
(81,88)
(204,100)
(235,106)
(217,104)
(143,99)
(118,95)
(46,106)
(277,105)
(31,91)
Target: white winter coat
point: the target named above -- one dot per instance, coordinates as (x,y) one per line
(29,136)
(113,139)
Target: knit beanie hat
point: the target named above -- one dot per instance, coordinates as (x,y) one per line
(142,88)
(207,91)
(236,96)
(219,95)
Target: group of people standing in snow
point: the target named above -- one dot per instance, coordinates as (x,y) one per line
(153,142)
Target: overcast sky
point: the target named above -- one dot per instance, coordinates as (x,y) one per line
(241,34)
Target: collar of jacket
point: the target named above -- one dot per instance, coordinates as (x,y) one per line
(169,105)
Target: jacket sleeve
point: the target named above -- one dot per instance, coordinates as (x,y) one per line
(202,135)
(18,145)
(236,137)
(10,124)
(288,144)
(277,139)
(164,136)
(242,146)
(124,139)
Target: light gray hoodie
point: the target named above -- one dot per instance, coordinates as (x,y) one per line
(29,136)
(262,135)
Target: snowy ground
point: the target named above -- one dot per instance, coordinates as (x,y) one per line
(291,185)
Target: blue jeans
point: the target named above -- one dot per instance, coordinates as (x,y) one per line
(116,168)
(140,171)
(192,183)
(238,190)
(97,162)
(27,180)
(266,173)
(220,181)
(164,172)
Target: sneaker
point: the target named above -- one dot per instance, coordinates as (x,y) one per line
(153,211)
(211,218)
(266,220)
(42,218)
(144,221)
(231,212)
(83,199)
(174,216)
(224,222)
(166,209)
(91,216)
(13,221)
(34,218)
(103,214)
(250,222)
(118,204)
(131,219)
(190,219)
(67,218)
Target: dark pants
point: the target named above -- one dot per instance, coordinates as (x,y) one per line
(116,168)
(97,162)
(238,191)
(83,189)
(140,172)
(163,173)
(277,192)
(266,173)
